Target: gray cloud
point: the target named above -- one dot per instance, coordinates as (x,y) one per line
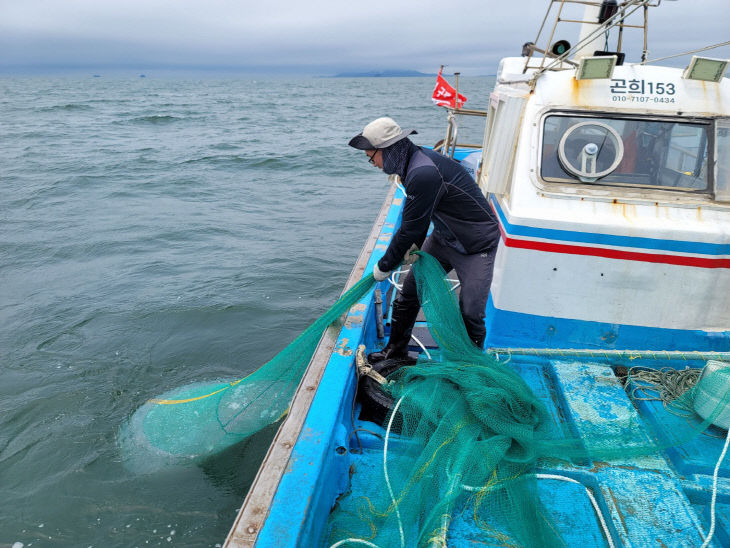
(318,36)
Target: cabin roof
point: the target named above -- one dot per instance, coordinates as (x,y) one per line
(644,89)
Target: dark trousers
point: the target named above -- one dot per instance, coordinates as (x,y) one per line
(475,276)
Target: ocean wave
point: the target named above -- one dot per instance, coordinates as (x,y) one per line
(67,107)
(274,163)
(264,159)
(155,119)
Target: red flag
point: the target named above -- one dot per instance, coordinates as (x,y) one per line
(444,95)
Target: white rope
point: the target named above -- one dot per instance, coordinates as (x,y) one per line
(456,283)
(714,492)
(391,279)
(419,343)
(390,488)
(385,471)
(509,358)
(354,541)
(594,502)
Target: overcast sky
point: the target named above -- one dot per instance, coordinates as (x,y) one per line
(315,36)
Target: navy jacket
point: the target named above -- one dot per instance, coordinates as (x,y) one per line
(439,189)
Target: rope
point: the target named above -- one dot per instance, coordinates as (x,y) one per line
(419,343)
(401,272)
(711,532)
(188,400)
(686,53)
(594,502)
(390,488)
(666,385)
(690,355)
(385,472)
(354,541)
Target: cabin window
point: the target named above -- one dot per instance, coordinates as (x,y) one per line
(500,142)
(625,152)
(722,167)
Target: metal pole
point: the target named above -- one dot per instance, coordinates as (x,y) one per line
(620,36)
(645,53)
(379,314)
(456,75)
(550,40)
(622,14)
(456,107)
(595,353)
(447,137)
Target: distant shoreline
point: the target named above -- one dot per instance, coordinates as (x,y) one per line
(384,74)
(197,72)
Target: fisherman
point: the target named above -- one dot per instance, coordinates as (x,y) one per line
(464,237)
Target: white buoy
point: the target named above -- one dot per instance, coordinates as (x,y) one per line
(711,391)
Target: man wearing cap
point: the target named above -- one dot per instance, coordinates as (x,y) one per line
(464,237)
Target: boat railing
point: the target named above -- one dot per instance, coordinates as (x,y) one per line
(599,18)
(448,145)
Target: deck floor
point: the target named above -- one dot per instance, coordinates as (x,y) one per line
(663,499)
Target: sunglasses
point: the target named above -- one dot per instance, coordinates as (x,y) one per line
(371,159)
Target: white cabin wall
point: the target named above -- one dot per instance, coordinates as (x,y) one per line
(598,289)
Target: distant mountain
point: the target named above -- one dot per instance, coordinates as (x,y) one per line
(382,74)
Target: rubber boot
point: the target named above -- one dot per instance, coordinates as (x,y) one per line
(479,341)
(401,326)
(391,351)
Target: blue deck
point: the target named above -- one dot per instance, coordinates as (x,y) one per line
(644,501)
(658,500)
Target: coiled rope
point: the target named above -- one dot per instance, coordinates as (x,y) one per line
(665,385)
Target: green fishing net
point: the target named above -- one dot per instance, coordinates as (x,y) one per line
(466,433)
(201,419)
(467,436)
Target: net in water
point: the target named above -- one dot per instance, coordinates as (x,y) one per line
(201,419)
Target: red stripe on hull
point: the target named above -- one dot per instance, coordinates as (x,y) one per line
(680,260)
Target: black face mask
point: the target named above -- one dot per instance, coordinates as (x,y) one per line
(395,158)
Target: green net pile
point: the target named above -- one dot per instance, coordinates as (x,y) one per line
(201,419)
(466,435)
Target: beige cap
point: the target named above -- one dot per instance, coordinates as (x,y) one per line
(380,133)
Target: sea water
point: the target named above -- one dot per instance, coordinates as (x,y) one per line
(156,232)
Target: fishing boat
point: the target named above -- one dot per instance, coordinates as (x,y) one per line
(611,183)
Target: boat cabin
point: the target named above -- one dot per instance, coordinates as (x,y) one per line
(614,195)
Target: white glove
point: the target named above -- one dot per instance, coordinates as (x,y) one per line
(408,258)
(378,274)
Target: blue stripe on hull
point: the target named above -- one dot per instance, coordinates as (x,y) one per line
(519,330)
(680,246)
